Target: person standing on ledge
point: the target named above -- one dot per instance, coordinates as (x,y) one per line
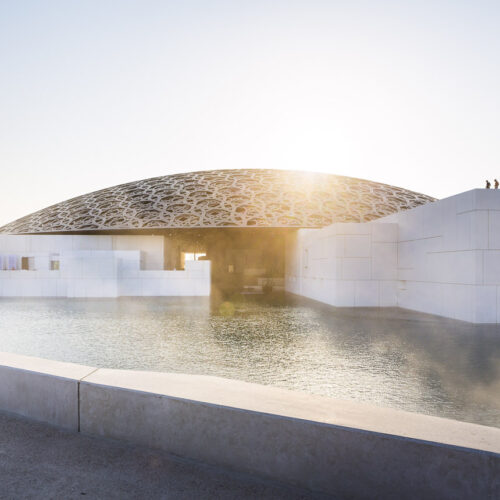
(496,184)
(488,184)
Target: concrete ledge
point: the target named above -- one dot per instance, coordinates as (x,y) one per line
(335,447)
(41,389)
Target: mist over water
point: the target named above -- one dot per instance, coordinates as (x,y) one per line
(388,357)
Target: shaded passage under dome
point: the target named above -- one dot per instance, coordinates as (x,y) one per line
(223,198)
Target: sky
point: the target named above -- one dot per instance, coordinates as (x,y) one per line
(95,93)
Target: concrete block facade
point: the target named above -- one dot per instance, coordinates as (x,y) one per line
(344,265)
(95,266)
(46,246)
(449,257)
(441,258)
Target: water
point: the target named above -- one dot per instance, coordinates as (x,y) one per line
(388,357)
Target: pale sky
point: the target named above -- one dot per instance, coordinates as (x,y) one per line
(95,93)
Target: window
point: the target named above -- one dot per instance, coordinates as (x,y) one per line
(194,256)
(54,262)
(28,263)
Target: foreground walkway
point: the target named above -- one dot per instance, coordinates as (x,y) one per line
(38,461)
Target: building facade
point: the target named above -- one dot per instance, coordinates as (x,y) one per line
(346,242)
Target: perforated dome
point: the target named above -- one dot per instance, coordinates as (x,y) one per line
(222,198)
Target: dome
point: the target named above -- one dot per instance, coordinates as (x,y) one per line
(222,198)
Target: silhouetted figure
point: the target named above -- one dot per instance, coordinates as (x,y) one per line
(488,184)
(497,184)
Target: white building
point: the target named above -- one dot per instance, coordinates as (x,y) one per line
(94,266)
(346,242)
(441,258)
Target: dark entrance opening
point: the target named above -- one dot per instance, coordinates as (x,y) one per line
(243,260)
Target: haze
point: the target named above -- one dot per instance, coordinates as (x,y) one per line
(97,93)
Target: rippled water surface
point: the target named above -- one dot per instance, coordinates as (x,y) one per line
(390,357)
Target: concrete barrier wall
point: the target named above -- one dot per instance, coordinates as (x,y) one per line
(336,447)
(41,389)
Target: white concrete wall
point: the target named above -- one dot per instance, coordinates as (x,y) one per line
(150,246)
(194,281)
(41,389)
(100,278)
(345,264)
(92,273)
(441,258)
(338,448)
(449,257)
(89,267)
(33,284)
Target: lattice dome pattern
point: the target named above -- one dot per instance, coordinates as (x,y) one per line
(223,198)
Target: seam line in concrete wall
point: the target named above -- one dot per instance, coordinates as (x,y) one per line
(373,280)
(419,239)
(488,231)
(473,210)
(78,394)
(400,283)
(78,406)
(482,267)
(456,251)
(446,283)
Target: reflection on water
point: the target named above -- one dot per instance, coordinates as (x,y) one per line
(388,357)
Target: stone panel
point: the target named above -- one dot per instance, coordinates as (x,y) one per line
(342,449)
(357,246)
(41,389)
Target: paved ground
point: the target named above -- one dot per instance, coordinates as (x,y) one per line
(38,461)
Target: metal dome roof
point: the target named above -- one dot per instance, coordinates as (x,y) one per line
(222,198)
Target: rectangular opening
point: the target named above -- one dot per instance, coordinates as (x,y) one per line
(194,256)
